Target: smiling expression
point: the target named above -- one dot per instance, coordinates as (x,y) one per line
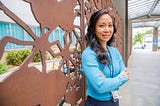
(104,29)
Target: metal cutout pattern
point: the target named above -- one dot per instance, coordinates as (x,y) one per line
(61,85)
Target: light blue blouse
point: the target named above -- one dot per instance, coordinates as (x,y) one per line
(98,86)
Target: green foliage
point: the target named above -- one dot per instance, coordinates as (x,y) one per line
(37,58)
(3,68)
(16,57)
(148,32)
(138,38)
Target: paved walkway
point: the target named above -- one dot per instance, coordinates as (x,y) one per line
(143,89)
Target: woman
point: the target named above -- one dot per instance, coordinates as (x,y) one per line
(102,64)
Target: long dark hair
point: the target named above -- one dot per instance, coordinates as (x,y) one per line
(92,40)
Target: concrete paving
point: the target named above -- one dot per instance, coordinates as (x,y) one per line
(143,89)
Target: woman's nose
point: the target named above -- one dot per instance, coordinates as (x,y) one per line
(106,29)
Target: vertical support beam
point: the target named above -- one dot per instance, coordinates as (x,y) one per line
(155,39)
(122,8)
(126,34)
(129,38)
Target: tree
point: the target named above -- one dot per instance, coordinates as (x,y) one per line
(138,38)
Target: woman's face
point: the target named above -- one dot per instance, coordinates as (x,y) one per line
(104,29)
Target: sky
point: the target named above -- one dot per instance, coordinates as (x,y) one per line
(21,9)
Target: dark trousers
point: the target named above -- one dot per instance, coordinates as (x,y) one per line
(92,102)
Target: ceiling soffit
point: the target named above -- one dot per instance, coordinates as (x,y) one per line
(144,13)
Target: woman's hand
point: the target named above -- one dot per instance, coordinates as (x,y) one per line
(101,73)
(125,73)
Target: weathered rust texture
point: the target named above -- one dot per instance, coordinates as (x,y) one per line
(29,86)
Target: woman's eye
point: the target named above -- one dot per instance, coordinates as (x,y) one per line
(111,25)
(101,25)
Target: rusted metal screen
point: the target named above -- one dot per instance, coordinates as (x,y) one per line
(34,84)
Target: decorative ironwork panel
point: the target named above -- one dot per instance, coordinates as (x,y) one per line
(57,80)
